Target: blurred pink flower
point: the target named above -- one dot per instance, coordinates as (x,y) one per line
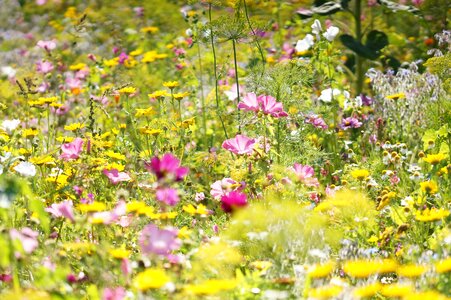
(62,209)
(240,144)
(167,166)
(153,240)
(232,201)
(44,67)
(115,176)
(47,45)
(72,150)
(114,293)
(305,174)
(167,195)
(28,238)
(249,103)
(223,187)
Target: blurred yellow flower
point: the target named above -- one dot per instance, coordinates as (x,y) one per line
(127,90)
(321,270)
(432,214)
(429,187)
(93,207)
(443,266)
(434,159)
(150,279)
(368,290)
(365,268)
(411,270)
(74,126)
(210,287)
(360,174)
(149,29)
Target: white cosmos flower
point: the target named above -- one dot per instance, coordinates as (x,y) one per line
(316,28)
(305,44)
(328,94)
(8,71)
(10,125)
(25,168)
(331,33)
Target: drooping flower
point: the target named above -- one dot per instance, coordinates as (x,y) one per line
(249,103)
(28,238)
(232,201)
(167,167)
(305,174)
(240,144)
(62,209)
(153,240)
(223,187)
(167,195)
(331,33)
(115,176)
(72,150)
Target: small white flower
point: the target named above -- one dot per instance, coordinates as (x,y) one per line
(331,33)
(305,44)
(8,71)
(328,94)
(316,28)
(10,125)
(25,168)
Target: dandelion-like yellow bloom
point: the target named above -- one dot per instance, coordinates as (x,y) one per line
(321,270)
(158,94)
(74,126)
(120,253)
(434,159)
(433,214)
(93,207)
(200,209)
(325,292)
(396,96)
(210,287)
(77,67)
(150,279)
(171,84)
(396,290)
(149,29)
(43,160)
(425,295)
(30,133)
(127,90)
(443,266)
(180,96)
(136,52)
(411,270)
(365,268)
(150,131)
(368,290)
(429,187)
(144,112)
(114,155)
(360,174)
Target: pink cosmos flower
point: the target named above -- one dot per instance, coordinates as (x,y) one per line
(232,201)
(153,240)
(350,122)
(223,187)
(316,121)
(271,107)
(62,209)
(250,103)
(44,67)
(167,195)
(305,174)
(240,144)
(167,166)
(115,176)
(47,45)
(72,150)
(114,293)
(28,238)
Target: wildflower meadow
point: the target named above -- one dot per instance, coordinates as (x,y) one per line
(225,149)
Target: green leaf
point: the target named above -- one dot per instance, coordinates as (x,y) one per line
(37,206)
(5,253)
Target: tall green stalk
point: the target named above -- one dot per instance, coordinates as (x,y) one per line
(237,83)
(358,59)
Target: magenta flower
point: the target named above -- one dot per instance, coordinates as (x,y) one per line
(62,209)
(232,201)
(305,174)
(167,195)
(153,240)
(44,67)
(250,103)
(240,144)
(46,45)
(223,187)
(316,121)
(271,107)
(28,238)
(167,166)
(115,176)
(72,150)
(350,122)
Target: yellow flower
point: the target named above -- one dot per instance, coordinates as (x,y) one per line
(149,29)
(365,268)
(201,209)
(127,90)
(321,270)
(149,57)
(120,253)
(434,159)
(360,174)
(170,84)
(111,62)
(443,266)
(210,287)
(396,96)
(180,96)
(115,155)
(43,160)
(261,265)
(150,131)
(136,52)
(159,94)
(77,67)
(368,290)
(433,295)
(396,290)
(325,292)
(116,166)
(74,126)
(146,112)
(150,279)
(429,187)
(47,100)
(184,233)
(29,133)
(411,270)
(432,214)
(93,207)
(135,206)
(386,198)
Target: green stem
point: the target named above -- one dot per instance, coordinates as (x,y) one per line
(237,83)
(256,38)
(202,99)
(358,59)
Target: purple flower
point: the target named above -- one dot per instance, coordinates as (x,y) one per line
(114,293)
(167,166)
(350,122)
(266,104)
(316,121)
(232,201)
(115,176)
(153,240)
(123,57)
(62,209)
(167,195)
(44,67)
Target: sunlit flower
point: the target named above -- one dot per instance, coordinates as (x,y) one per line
(27,237)
(305,174)
(360,174)
(115,176)
(240,144)
(429,187)
(158,241)
(331,33)
(72,150)
(26,169)
(434,159)
(305,44)
(62,209)
(433,214)
(167,195)
(232,201)
(167,166)
(150,279)
(443,266)
(210,287)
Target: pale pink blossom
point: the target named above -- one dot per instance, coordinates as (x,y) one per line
(115,176)
(240,144)
(305,174)
(250,103)
(28,238)
(72,150)
(62,209)
(47,45)
(222,187)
